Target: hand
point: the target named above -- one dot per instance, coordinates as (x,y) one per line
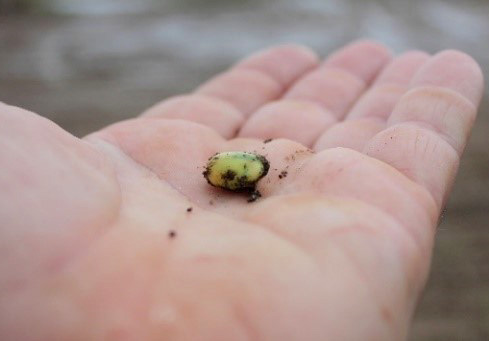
(118,236)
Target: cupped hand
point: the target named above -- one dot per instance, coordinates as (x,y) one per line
(118,236)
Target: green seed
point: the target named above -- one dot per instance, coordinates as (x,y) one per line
(236,171)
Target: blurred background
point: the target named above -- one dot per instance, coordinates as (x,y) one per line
(85,64)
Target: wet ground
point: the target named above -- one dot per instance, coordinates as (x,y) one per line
(85,64)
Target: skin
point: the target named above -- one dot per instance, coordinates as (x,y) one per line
(339,249)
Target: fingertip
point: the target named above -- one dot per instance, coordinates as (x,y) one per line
(371,45)
(454,70)
(460,57)
(284,62)
(262,77)
(302,51)
(403,67)
(284,48)
(363,58)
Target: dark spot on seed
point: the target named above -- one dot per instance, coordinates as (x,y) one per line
(243,184)
(189,209)
(268,140)
(211,202)
(206,174)
(265,163)
(283,174)
(172,234)
(229,175)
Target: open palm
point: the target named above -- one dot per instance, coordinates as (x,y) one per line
(118,236)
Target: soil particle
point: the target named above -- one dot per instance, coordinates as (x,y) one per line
(283,174)
(301,151)
(254,196)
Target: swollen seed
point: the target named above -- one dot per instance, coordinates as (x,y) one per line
(236,171)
